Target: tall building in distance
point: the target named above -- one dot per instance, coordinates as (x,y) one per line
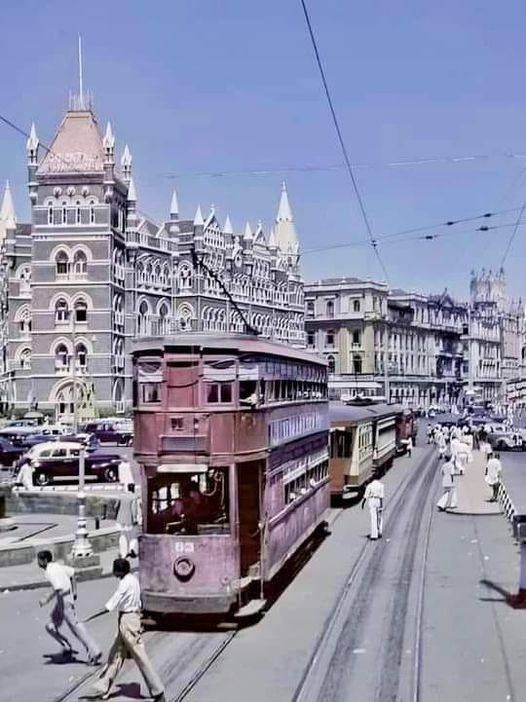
(90,272)
(419,349)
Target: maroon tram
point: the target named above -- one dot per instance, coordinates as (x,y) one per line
(231,433)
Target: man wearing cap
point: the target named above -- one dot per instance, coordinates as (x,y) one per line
(128,642)
(64,591)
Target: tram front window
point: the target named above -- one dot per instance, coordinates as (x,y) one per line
(189,503)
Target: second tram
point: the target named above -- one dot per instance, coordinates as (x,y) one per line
(363,443)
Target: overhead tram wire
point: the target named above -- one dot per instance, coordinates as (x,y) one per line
(389,239)
(518,222)
(373,242)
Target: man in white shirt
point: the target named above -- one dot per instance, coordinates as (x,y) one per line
(128,642)
(129,518)
(493,474)
(449,497)
(64,591)
(374,496)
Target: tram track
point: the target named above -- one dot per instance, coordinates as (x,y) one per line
(332,659)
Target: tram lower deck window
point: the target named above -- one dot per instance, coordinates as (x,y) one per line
(189,503)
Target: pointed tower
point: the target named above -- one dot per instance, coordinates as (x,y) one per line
(198,218)
(285,230)
(7,213)
(247,235)
(227,229)
(126,163)
(32,163)
(174,206)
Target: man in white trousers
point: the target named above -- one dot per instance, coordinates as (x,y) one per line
(129,519)
(449,476)
(374,496)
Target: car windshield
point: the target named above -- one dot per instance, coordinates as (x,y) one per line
(189,503)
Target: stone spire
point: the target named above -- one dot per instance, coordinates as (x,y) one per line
(109,141)
(198,219)
(126,163)
(227,229)
(174,206)
(285,230)
(132,192)
(32,145)
(272,239)
(7,212)
(248,232)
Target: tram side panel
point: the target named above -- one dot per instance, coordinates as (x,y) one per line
(296,498)
(385,444)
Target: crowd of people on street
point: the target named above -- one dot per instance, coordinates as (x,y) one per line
(455,446)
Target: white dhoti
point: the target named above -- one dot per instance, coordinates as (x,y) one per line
(376,515)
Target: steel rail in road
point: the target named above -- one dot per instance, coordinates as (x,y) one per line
(312,680)
(203,669)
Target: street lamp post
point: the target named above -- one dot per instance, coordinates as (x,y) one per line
(81,548)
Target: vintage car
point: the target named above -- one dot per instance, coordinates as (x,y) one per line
(506,441)
(59,461)
(9,453)
(110,432)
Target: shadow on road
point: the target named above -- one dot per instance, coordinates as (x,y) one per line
(130,690)
(513,600)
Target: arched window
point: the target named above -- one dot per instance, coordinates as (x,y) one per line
(50,215)
(357,364)
(330,309)
(82,356)
(81,312)
(65,401)
(185,277)
(80,263)
(25,359)
(62,263)
(92,215)
(144,319)
(61,311)
(24,320)
(24,275)
(332,364)
(61,357)
(163,319)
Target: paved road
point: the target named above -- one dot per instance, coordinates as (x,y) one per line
(472,645)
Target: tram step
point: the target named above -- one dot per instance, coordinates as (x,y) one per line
(250,609)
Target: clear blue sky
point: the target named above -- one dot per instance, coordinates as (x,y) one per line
(208,85)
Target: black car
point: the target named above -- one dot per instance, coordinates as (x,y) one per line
(108,432)
(59,461)
(9,453)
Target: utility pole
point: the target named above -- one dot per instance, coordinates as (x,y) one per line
(81,548)
(386,365)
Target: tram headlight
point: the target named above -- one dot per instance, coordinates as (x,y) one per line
(184,568)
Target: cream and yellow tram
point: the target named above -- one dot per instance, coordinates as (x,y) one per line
(362,444)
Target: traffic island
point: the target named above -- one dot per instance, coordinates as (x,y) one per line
(6,523)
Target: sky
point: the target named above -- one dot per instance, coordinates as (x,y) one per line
(199,88)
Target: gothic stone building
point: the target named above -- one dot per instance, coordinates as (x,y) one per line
(90,272)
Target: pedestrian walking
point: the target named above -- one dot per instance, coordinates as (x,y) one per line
(374,496)
(409,446)
(129,517)
(128,641)
(449,496)
(24,476)
(125,474)
(64,592)
(493,475)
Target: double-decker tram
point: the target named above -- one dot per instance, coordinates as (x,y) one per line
(231,433)
(363,443)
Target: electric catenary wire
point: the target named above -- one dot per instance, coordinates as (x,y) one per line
(374,243)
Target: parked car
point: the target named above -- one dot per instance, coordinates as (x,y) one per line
(120,433)
(19,435)
(506,441)
(59,460)
(9,453)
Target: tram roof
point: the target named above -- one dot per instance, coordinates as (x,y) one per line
(227,342)
(340,412)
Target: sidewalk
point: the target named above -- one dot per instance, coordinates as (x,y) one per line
(473,493)
(30,577)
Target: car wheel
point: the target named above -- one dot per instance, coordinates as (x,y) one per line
(111,475)
(129,442)
(41,478)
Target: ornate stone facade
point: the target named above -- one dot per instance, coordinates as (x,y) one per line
(90,273)
(417,349)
